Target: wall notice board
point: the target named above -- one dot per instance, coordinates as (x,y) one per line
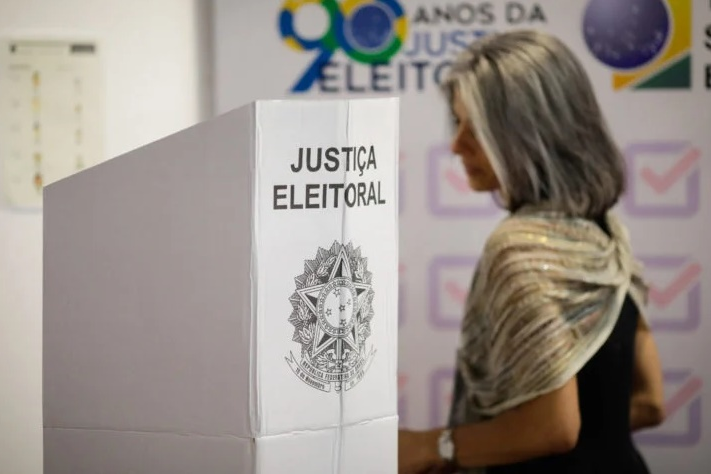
(51,115)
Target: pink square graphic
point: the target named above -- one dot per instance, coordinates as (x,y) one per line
(402,398)
(680,171)
(447,294)
(441,389)
(402,179)
(448,189)
(676,302)
(401,296)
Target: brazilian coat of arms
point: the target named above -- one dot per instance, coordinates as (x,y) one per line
(332,314)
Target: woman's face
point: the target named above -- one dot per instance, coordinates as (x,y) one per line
(465,144)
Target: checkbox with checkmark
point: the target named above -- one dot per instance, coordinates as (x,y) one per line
(402,178)
(441,390)
(664,179)
(402,398)
(682,426)
(401,296)
(448,191)
(674,292)
(449,278)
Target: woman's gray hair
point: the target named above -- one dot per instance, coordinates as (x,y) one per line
(533,109)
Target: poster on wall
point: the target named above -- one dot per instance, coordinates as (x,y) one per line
(650,64)
(51,115)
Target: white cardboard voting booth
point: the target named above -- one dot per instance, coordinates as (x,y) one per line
(224,300)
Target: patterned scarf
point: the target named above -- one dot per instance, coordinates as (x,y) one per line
(545,297)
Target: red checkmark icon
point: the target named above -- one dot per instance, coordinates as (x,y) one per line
(662,182)
(685,394)
(457,181)
(456,292)
(661,297)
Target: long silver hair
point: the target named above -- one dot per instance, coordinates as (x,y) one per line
(534,111)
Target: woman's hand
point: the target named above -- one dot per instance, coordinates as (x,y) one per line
(417,452)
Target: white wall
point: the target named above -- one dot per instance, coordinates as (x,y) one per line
(156,66)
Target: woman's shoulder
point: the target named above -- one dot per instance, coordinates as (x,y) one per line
(523,230)
(529,233)
(544,227)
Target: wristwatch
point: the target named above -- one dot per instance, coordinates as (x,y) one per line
(445,446)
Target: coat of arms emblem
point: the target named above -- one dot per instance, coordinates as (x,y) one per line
(332,312)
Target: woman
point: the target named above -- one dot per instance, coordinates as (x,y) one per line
(556,366)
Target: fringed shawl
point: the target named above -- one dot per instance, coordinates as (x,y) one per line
(546,295)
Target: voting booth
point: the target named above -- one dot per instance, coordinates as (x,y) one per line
(224,300)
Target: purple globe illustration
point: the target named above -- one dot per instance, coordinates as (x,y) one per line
(626,34)
(370,28)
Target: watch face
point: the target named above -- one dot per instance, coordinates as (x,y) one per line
(446,446)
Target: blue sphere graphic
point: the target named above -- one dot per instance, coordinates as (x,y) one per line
(371,28)
(626,34)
